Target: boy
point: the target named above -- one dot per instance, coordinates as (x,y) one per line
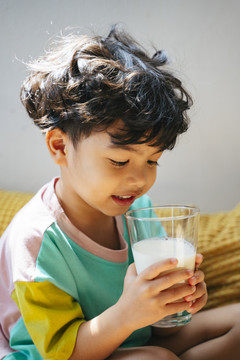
(69,288)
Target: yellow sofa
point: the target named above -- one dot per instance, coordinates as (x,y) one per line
(219,242)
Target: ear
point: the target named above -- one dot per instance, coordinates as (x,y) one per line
(56,141)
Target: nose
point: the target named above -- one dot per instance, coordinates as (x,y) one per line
(137,178)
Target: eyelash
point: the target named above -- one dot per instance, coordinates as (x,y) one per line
(122,163)
(153,163)
(118,163)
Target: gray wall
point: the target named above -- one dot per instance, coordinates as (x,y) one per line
(202,39)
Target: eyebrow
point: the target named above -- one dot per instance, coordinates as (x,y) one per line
(127,148)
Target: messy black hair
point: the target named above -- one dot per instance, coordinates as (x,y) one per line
(86,83)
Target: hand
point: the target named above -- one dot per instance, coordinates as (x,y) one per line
(199,298)
(151,295)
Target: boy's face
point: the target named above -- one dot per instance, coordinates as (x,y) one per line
(104,177)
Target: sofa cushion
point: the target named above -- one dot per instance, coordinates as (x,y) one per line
(219,242)
(10,204)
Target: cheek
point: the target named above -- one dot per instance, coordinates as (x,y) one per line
(95,176)
(152,177)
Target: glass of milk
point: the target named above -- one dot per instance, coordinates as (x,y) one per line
(161,232)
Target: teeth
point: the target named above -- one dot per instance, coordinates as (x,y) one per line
(123,197)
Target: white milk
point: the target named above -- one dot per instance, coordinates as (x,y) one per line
(149,251)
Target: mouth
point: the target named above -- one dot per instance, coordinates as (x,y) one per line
(124,200)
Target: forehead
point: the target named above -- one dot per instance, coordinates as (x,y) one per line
(103,141)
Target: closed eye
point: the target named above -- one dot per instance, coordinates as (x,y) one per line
(118,163)
(152,163)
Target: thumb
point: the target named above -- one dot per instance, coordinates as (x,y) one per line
(131,271)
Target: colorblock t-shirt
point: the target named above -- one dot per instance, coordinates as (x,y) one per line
(54,277)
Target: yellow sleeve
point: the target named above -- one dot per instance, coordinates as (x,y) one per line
(51,316)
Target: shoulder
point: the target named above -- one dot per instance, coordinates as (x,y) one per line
(21,241)
(37,214)
(30,219)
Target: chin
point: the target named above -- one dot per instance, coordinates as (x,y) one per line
(116,212)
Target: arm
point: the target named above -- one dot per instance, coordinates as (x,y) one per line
(101,336)
(146,298)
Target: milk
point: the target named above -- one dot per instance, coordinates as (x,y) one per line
(149,251)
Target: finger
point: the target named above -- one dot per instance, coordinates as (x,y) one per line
(173,308)
(196,278)
(156,269)
(177,293)
(170,279)
(132,269)
(198,304)
(198,260)
(201,289)
(131,275)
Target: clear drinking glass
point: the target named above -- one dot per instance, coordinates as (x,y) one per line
(161,232)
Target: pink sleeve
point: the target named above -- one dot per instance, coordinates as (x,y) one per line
(4,346)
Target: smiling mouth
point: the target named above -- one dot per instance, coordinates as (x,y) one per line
(125,200)
(124,197)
